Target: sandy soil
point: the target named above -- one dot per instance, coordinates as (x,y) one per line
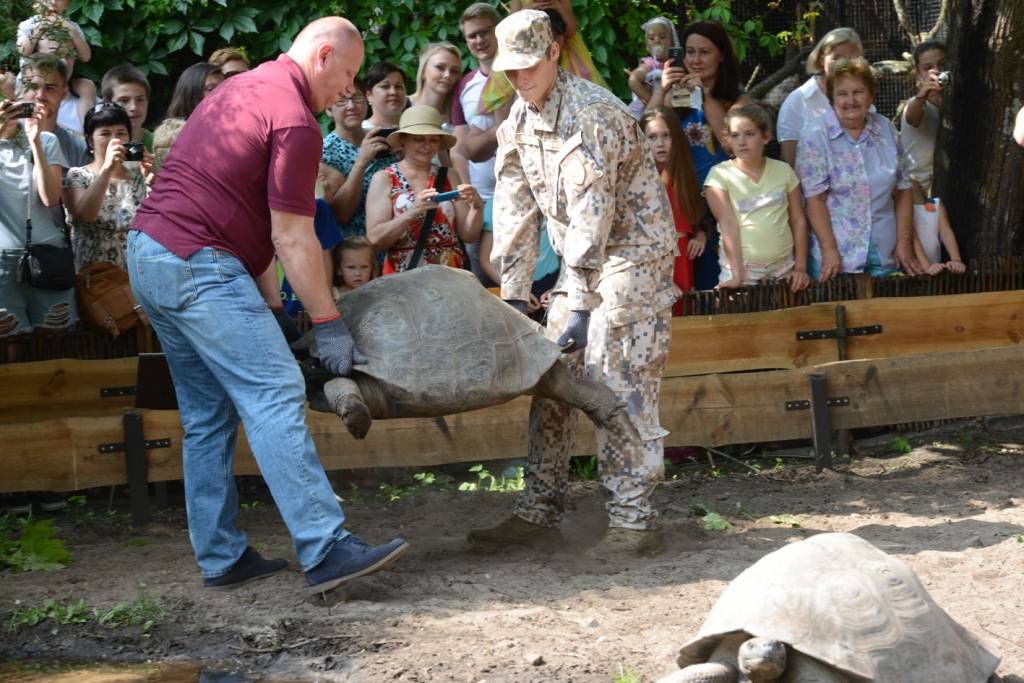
(952,509)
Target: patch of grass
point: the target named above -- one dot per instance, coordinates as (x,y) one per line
(138,542)
(711,518)
(584,469)
(142,611)
(254,505)
(902,445)
(28,545)
(625,675)
(71,612)
(506,482)
(395,492)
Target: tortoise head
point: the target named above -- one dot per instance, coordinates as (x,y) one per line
(761,659)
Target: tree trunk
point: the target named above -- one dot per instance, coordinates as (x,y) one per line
(978,166)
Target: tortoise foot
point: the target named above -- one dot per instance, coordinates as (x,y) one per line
(711,672)
(356,416)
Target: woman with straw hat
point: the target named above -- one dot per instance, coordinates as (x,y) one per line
(401,196)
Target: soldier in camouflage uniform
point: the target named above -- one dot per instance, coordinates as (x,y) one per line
(571,152)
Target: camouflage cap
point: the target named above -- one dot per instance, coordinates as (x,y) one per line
(523,38)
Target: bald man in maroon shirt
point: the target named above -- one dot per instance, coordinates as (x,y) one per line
(236,189)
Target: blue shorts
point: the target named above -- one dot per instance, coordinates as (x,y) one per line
(24,308)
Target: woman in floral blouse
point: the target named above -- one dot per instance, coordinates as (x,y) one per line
(710,64)
(102,198)
(854,176)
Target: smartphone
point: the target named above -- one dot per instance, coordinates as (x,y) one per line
(445,196)
(676,55)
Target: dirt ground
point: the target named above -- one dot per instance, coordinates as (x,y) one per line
(952,508)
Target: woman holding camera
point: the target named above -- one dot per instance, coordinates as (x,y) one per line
(30,165)
(102,198)
(710,67)
(402,195)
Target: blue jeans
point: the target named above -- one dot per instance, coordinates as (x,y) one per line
(229,360)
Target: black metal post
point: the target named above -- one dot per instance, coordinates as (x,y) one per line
(820,425)
(136,467)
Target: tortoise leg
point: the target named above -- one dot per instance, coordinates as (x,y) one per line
(720,667)
(595,399)
(345,400)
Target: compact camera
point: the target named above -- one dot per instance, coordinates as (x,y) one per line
(134,151)
(944,78)
(23,110)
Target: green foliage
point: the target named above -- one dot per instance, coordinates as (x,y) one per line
(11,13)
(395,492)
(584,468)
(73,612)
(488,482)
(712,519)
(31,545)
(625,675)
(902,445)
(142,611)
(748,33)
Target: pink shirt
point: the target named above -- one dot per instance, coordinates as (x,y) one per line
(251,145)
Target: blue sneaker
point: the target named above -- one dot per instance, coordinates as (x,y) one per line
(349,559)
(251,566)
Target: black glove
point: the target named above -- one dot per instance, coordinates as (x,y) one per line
(574,337)
(517,304)
(287,325)
(338,352)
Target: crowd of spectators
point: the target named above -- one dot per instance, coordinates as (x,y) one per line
(853,193)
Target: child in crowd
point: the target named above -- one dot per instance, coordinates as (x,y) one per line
(919,120)
(933,231)
(354,264)
(672,157)
(643,80)
(758,206)
(49,31)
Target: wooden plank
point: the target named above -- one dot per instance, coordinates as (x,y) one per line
(749,341)
(712,410)
(750,407)
(932,324)
(66,387)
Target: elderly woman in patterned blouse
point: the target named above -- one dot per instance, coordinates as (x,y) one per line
(854,176)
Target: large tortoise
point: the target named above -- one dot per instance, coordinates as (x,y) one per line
(437,343)
(831,609)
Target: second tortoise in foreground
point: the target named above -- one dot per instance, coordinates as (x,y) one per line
(831,609)
(438,343)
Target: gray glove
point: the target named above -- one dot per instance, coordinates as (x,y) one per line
(337,350)
(287,325)
(574,337)
(517,304)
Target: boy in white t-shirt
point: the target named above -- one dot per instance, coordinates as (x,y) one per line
(758,206)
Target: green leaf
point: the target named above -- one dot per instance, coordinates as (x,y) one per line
(177,42)
(158,68)
(284,43)
(226,31)
(94,12)
(245,24)
(196,42)
(409,43)
(600,53)
(173,27)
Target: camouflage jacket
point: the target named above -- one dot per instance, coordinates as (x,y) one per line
(582,162)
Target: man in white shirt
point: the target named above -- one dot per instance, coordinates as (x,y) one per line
(474,130)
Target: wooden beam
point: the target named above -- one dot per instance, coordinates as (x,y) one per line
(66,387)
(62,454)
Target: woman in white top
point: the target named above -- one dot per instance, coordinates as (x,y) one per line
(809,102)
(919,122)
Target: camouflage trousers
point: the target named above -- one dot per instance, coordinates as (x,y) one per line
(629,357)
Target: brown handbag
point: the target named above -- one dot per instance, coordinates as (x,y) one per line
(105,298)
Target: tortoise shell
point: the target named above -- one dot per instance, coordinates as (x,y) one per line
(841,600)
(433,337)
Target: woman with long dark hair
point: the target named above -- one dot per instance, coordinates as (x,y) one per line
(710,67)
(195,83)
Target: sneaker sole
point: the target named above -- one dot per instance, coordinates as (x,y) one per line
(377,566)
(239,584)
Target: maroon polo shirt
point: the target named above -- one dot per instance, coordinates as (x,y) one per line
(251,145)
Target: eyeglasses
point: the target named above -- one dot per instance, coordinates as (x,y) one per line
(342,102)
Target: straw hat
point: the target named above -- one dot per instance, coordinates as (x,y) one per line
(421,119)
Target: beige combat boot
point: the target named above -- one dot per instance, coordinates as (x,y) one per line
(513,530)
(619,542)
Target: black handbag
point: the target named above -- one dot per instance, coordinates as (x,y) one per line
(45,266)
